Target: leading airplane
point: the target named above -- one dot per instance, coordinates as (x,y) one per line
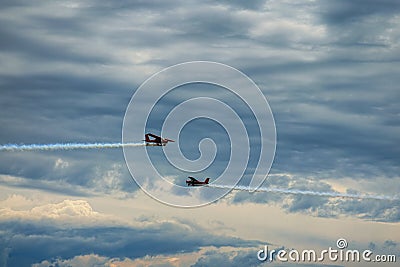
(194,182)
(156,140)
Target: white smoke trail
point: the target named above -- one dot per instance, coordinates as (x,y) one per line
(66,146)
(305,192)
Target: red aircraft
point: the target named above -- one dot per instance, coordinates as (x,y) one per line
(194,182)
(156,141)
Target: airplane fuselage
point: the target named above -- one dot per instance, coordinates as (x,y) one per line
(155,140)
(195,184)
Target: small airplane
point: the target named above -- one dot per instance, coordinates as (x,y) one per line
(194,182)
(156,141)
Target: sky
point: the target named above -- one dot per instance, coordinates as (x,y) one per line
(68,71)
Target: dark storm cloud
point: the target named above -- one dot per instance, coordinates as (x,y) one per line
(387,211)
(173,27)
(73,173)
(58,107)
(98,8)
(197,25)
(376,210)
(111,241)
(58,187)
(70,36)
(35,49)
(252,5)
(336,114)
(361,27)
(328,68)
(62,109)
(333,89)
(343,12)
(341,130)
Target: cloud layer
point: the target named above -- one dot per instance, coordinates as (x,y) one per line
(329,70)
(71,228)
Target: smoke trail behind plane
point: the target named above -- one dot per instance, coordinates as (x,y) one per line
(66,146)
(305,192)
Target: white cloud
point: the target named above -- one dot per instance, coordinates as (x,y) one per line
(81,260)
(67,208)
(109,179)
(61,164)
(70,212)
(90,260)
(173,260)
(17,202)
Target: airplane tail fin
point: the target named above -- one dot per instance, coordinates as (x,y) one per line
(207,180)
(147,139)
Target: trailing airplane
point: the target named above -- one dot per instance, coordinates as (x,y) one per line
(156,141)
(194,182)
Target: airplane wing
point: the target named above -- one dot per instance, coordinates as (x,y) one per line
(153,135)
(156,139)
(193,179)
